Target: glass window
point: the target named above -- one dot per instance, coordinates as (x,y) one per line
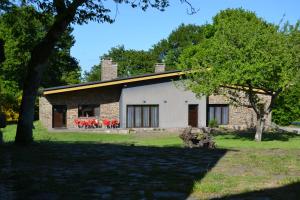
(219,113)
(88,111)
(146,116)
(154,116)
(138,116)
(130,116)
(142,116)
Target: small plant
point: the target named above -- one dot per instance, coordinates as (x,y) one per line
(213,123)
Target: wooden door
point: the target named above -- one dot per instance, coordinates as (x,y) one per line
(59,116)
(193,115)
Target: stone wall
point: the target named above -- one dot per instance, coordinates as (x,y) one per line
(108,99)
(45,112)
(109,110)
(240,117)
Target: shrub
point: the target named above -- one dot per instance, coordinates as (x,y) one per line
(213,123)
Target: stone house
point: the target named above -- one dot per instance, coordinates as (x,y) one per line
(148,101)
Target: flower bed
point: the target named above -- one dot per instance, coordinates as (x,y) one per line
(95,123)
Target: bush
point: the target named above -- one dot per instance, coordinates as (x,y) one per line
(213,123)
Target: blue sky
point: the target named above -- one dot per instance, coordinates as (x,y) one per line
(140,30)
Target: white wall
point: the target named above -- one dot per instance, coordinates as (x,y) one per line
(173,113)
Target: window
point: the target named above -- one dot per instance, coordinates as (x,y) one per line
(88,111)
(219,113)
(142,116)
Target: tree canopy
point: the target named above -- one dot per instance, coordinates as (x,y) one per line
(21,29)
(168,50)
(246,52)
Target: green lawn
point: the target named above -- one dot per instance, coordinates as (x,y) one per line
(151,166)
(245,140)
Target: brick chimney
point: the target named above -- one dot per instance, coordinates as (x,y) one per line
(109,70)
(159,68)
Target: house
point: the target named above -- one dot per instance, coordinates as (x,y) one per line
(155,100)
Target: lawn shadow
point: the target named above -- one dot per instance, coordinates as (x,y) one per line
(249,135)
(55,170)
(289,192)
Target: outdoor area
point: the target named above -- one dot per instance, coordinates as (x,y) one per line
(149,166)
(150,99)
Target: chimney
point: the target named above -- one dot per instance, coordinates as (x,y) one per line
(109,70)
(159,67)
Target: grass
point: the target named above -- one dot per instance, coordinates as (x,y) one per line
(76,165)
(228,141)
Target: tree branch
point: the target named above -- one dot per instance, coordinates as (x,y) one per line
(252,101)
(60,6)
(192,9)
(273,98)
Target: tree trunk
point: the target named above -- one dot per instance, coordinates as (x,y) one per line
(259,128)
(1,137)
(36,67)
(26,113)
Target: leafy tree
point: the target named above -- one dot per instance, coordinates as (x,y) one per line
(93,75)
(9,99)
(287,106)
(245,53)
(21,29)
(169,50)
(131,62)
(65,12)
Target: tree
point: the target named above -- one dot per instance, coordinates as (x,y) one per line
(93,75)
(248,55)
(65,12)
(287,105)
(169,50)
(131,62)
(21,29)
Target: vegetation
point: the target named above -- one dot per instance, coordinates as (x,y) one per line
(229,141)
(168,50)
(134,62)
(64,13)
(130,63)
(213,123)
(249,57)
(21,29)
(93,161)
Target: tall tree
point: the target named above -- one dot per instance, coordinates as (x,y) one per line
(168,50)
(131,62)
(287,106)
(246,53)
(21,29)
(93,75)
(65,12)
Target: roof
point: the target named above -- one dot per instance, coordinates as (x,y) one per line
(118,81)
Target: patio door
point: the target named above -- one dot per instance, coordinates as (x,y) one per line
(142,116)
(59,116)
(193,115)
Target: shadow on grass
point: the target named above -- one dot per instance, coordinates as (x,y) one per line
(267,136)
(55,170)
(288,192)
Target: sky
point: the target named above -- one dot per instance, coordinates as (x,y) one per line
(136,29)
